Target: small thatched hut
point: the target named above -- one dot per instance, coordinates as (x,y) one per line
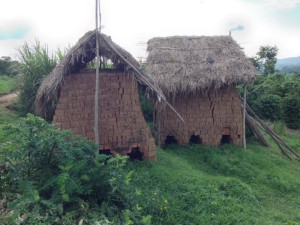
(198,75)
(66,95)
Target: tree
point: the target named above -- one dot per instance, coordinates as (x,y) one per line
(267,56)
(256,62)
(265,59)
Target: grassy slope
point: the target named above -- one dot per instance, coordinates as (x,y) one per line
(202,185)
(7,84)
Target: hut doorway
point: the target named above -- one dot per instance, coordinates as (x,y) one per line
(105,151)
(195,139)
(170,140)
(135,154)
(226,139)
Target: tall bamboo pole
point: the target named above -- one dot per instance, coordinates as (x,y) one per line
(96,125)
(244,118)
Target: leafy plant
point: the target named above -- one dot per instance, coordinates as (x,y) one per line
(279,128)
(7,84)
(291,111)
(49,174)
(268,106)
(8,66)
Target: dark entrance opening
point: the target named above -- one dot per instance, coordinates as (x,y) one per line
(226,139)
(135,153)
(105,151)
(170,140)
(195,139)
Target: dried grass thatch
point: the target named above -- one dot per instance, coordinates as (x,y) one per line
(189,64)
(77,58)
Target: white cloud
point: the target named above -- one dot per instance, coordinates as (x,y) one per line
(60,23)
(282,4)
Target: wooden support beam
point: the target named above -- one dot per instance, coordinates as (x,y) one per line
(244,118)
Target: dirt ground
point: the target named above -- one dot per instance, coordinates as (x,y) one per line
(6,99)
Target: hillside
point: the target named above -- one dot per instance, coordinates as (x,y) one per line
(201,185)
(226,185)
(289,65)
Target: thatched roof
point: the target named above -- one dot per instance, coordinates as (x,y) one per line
(77,58)
(182,64)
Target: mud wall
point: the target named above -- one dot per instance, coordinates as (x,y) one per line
(212,118)
(121,122)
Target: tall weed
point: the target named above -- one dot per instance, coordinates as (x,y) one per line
(36,63)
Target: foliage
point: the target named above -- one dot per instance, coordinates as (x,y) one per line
(52,177)
(187,185)
(265,59)
(36,63)
(8,66)
(274,97)
(7,84)
(291,111)
(147,105)
(268,106)
(279,128)
(268,57)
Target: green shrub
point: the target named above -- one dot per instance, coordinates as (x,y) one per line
(279,128)
(8,66)
(36,63)
(147,105)
(268,107)
(50,176)
(147,108)
(291,111)
(7,84)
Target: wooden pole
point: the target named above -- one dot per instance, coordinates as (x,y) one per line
(96,125)
(158,114)
(244,117)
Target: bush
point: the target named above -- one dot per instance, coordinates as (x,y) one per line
(147,105)
(268,107)
(279,128)
(147,108)
(50,176)
(36,63)
(7,84)
(291,111)
(9,67)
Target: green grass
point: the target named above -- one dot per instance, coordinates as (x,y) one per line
(7,84)
(204,185)
(226,185)
(6,117)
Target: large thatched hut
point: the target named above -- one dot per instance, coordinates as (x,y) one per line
(198,75)
(66,95)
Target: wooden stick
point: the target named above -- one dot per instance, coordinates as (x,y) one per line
(251,124)
(244,118)
(273,135)
(96,124)
(138,71)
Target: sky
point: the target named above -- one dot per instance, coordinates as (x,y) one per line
(131,23)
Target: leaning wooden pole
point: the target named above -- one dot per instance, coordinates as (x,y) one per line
(244,118)
(279,142)
(96,125)
(258,135)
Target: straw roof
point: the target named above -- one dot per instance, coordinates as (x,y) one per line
(182,64)
(76,59)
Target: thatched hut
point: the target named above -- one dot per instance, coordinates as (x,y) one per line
(66,95)
(198,75)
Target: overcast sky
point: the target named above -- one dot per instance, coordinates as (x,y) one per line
(131,23)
